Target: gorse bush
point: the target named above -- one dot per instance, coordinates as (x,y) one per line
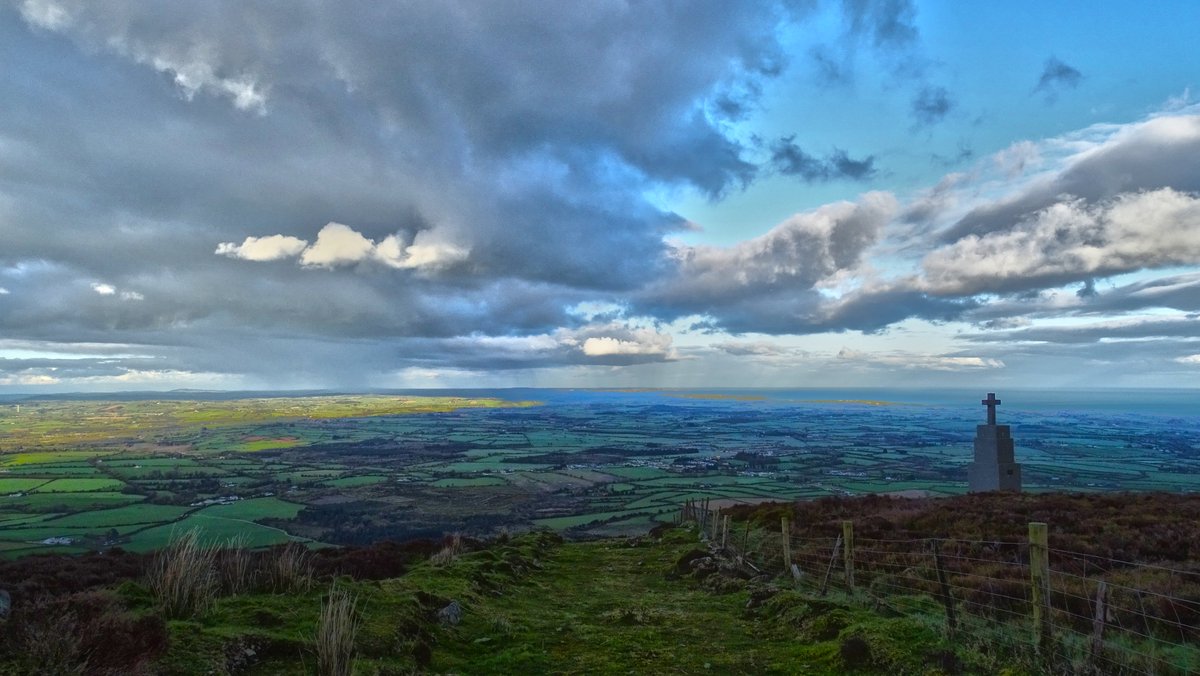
(336,628)
(183,577)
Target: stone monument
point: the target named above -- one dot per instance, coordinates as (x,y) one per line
(994,468)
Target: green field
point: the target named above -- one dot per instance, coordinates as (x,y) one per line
(79,485)
(19,485)
(354,469)
(121,516)
(359,480)
(472,482)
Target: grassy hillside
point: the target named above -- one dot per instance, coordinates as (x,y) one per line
(531,605)
(666,602)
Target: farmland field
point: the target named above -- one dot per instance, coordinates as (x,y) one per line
(346,469)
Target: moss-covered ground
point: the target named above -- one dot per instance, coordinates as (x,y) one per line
(655,604)
(614,607)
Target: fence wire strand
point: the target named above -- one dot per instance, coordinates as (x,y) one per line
(989,581)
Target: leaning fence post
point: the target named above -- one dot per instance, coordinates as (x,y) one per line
(787,544)
(716,525)
(1039,572)
(944,586)
(746,541)
(829,569)
(1097,629)
(848,552)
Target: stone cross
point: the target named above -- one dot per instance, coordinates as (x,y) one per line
(991,402)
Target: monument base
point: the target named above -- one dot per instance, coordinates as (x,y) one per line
(994,468)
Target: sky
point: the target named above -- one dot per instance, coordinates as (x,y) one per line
(241,194)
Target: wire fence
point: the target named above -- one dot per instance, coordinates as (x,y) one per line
(1064,612)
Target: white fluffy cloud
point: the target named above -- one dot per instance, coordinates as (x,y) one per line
(1096,164)
(797,253)
(770,281)
(337,244)
(3,291)
(1191,359)
(1072,240)
(110,290)
(270,248)
(642,342)
(424,252)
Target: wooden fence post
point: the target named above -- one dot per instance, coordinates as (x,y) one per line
(725,534)
(848,552)
(1039,572)
(787,544)
(944,587)
(1097,630)
(716,524)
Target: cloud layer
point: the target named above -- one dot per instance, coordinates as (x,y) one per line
(334,193)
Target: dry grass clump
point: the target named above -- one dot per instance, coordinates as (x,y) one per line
(183,577)
(452,549)
(290,569)
(336,629)
(235,566)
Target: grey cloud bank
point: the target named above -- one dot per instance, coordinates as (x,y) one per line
(336,193)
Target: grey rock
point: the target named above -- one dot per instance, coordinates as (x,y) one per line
(451,614)
(5,604)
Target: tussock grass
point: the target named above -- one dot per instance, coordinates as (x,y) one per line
(290,570)
(336,628)
(183,577)
(235,566)
(450,552)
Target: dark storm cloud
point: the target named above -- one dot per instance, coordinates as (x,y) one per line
(931,105)
(1057,76)
(524,134)
(790,159)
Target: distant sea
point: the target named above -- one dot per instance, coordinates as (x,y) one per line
(1159,402)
